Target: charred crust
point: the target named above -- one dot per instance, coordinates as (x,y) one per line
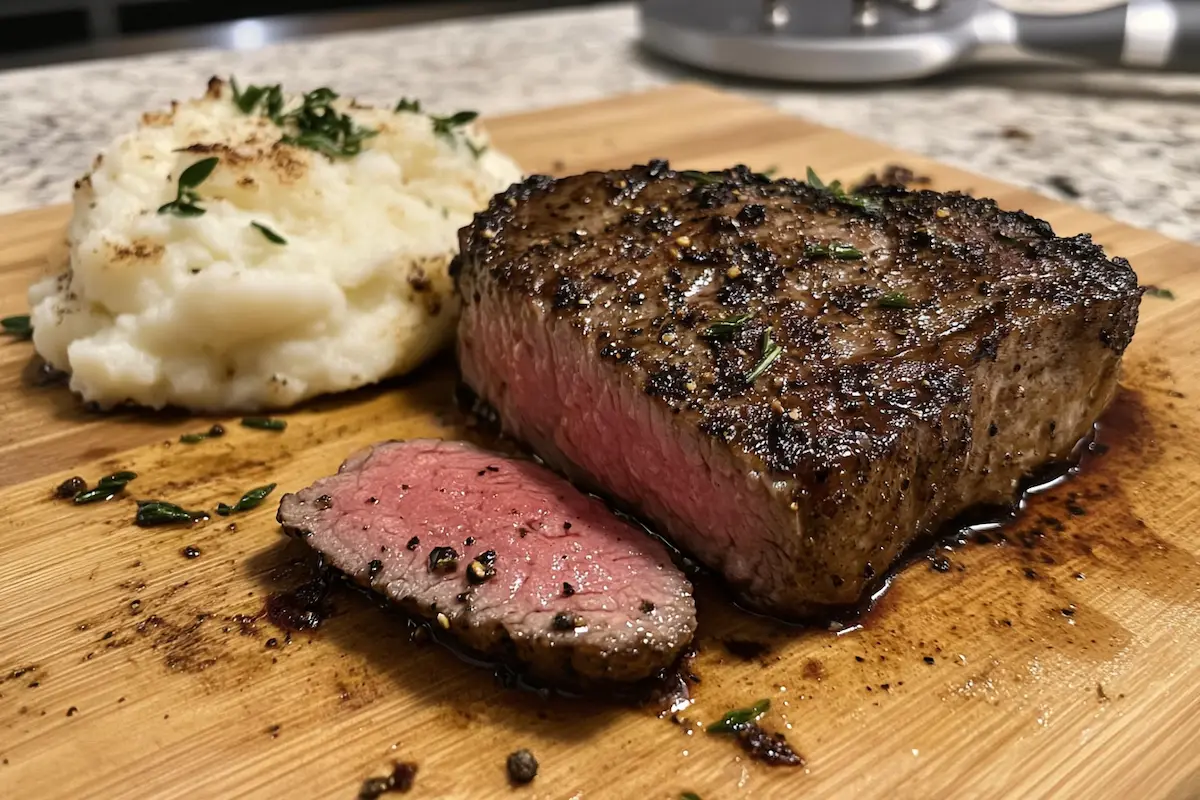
(641,261)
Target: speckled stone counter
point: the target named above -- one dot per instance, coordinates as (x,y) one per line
(1125,144)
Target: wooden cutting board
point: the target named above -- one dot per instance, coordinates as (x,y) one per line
(1062,662)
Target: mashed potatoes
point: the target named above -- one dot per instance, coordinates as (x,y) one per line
(304,273)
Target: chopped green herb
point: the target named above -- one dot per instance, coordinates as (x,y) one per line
(211,433)
(264,423)
(446,126)
(186,196)
(1164,294)
(739,718)
(702,178)
(18,326)
(840,194)
(443,558)
(157,512)
(770,352)
(689,796)
(771,171)
(251,499)
(271,235)
(477,150)
(725,328)
(408,106)
(837,250)
(314,124)
(895,300)
(106,489)
(101,494)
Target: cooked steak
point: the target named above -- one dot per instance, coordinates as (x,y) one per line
(791,382)
(503,553)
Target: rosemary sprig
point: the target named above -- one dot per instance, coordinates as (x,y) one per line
(702,178)
(725,328)
(186,196)
(739,718)
(895,300)
(770,351)
(840,194)
(835,250)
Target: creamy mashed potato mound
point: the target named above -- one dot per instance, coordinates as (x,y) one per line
(206,312)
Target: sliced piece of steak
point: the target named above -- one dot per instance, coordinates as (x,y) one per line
(790,382)
(505,554)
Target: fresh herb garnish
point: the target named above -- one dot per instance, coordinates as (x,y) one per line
(895,300)
(725,328)
(271,235)
(159,512)
(1164,294)
(212,433)
(446,126)
(770,351)
(18,326)
(264,423)
(186,196)
(702,178)
(771,171)
(477,150)
(408,106)
(739,718)
(689,796)
(251,499)
(837,250)
(314,124)
(840,194)
(106,489)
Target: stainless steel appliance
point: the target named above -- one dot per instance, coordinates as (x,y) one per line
(880,40)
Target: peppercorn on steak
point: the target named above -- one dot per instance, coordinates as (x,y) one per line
(790,381)
(251,249)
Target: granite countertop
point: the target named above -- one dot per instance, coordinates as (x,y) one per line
(1127,144)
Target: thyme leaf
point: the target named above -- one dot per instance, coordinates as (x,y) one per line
(186,196)
(770,351)
(447,126)
(106,489)
(251,499)
(271,236)
(1152,291)
(151,513)
(739,718)
(314,124)
(408,106)
(264,423)
(17,326)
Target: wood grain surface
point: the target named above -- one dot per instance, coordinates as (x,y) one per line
(1060,660)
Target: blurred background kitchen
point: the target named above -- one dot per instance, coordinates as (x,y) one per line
(75,73)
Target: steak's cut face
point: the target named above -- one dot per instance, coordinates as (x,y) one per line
(791,383)
(503,553)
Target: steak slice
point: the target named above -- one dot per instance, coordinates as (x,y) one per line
(503,553)
(791,382)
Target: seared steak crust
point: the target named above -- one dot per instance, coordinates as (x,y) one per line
(933,350)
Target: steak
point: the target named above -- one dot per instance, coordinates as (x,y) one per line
(790,382)
(503,553)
